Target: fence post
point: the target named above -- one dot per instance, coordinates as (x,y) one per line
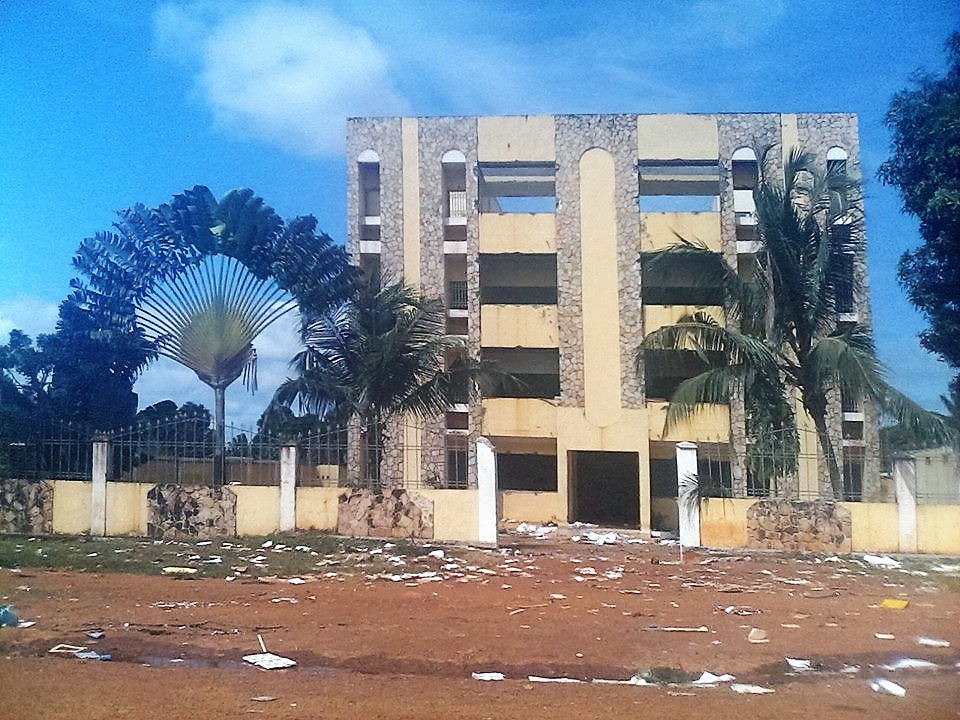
(688,497)
(288,488)
(905,478)
(98,491)
(486,492)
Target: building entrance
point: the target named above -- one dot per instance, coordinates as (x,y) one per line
(605,487)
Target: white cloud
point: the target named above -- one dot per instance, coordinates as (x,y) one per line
(286,73)
(735,23)
(33,316)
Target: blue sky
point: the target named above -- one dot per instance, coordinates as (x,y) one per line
(107,103)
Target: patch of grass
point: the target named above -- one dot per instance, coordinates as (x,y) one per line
(281,555)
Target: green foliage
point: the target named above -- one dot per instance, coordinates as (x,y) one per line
(782,333)
(381,353)
(925,167)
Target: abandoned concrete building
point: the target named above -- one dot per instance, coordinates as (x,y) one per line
(530,228)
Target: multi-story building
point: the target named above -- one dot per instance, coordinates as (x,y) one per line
(530,228)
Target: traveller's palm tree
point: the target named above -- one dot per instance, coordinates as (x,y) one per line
(782,333)
(198,279)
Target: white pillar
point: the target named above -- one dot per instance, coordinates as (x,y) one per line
(688,498)
(486,492)
(288,488)
(905,477)
(98,492)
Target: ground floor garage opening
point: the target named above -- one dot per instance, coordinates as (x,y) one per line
(604,487)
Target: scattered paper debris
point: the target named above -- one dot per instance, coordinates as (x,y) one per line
(92,655)
(487,676)
(175,570)
(909,664)
(887,686)
(267,660)
(884,636)
(932,642)
(749,689)
(658,628)
(538,679)
(263,698)
(756,635)
(799,664)
(882,561)
(65,649)
(708,678)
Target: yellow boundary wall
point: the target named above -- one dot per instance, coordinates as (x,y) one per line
(723,521)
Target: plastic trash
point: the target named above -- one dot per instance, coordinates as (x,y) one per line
(749,689)
(708,678)
(884,636)
(909,664)
(7,617)
(894,603)
(175,570)
(92,655)
(887,686)
(882,561)
(487,676)
(799,664)
(756,635)
(932,642)
(538,679)
(267,660)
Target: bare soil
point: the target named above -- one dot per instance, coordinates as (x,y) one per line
(405,642)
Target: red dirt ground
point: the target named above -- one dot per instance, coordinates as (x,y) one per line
(373,647)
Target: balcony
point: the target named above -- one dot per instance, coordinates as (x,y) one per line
(519,326)
(518,233)
(663,229)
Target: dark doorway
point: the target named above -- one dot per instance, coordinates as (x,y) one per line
(605,487)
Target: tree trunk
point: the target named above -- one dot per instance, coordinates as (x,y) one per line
(829,453)
(219,436)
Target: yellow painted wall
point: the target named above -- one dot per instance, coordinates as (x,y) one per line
(537,507)
(873,527)
(258,509)
(518,137)
(710,424)
(659,230)
(127,508)
(789,132)
(938,530)
(526,417)
(518,233)
(723,522)
(317,508)
(600,297)
(657,316)
(71,506)
(674,137)
(410,157)
(454,514)
(519,326)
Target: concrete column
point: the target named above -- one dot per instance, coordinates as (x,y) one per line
(688,497)
(98,491)
(905,478)
(486,492)
(288,488)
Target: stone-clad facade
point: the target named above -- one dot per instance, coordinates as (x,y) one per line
(480,210)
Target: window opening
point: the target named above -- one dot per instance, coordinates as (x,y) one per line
(517,187)
(678,186)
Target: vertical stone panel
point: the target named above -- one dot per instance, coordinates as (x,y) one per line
(616,134)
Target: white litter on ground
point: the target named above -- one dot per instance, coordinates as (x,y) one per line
(932,642)
(799,664)
(538,679)
(887,686)
(909,664)
(882,561)
(708,678)
(487,676)
(749,689)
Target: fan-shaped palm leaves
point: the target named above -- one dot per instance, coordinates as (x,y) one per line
(199,279)
(782,332)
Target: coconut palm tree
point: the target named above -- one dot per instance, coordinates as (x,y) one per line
(198,279)
(383,353)
(782,334)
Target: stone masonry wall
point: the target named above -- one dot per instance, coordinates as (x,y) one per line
(191,511)
(393,513)
(26,508)
(617,134)
(799,526)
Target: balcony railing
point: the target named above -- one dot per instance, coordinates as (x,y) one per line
(457,203)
